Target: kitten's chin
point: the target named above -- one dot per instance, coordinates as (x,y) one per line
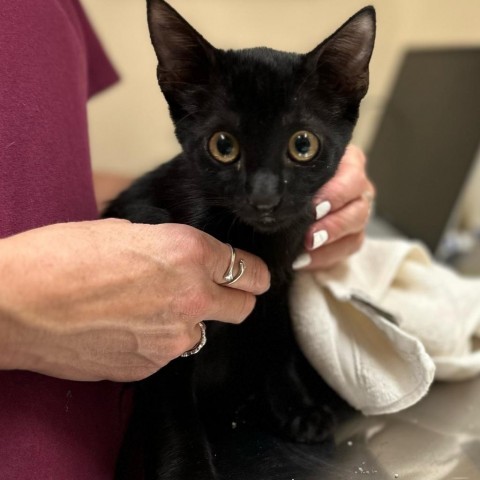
(268,224)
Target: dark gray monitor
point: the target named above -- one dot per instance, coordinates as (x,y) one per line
(427,141)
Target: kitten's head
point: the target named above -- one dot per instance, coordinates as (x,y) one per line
(262,130)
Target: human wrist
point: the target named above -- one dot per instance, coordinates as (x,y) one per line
(15,336)
(14,351)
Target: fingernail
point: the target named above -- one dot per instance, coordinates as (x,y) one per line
(322,209)
(319,238)
(302,261)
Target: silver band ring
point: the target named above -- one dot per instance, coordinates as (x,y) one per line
(229,277)
(200,344)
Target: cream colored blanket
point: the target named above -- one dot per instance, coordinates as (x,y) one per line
(383,325)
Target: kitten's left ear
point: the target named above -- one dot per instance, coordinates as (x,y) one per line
(342,59)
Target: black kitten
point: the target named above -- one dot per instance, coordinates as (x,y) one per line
(261,132)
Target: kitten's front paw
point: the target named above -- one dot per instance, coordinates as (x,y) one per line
(310,425)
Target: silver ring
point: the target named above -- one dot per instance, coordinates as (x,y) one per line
(200,344)
(229,277)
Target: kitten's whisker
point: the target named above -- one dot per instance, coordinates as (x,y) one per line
(189,114)
(235,220)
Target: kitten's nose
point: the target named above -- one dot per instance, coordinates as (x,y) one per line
(264,194)
(263,202)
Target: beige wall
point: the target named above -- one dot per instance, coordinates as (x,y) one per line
(130,128)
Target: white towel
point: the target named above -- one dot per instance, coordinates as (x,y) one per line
(384,324)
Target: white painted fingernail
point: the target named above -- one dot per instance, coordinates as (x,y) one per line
(322,209)
(319,238)
(302,261)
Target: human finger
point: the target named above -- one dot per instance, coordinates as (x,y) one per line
(247,271)
(213,302)
(231,305)
(349,183)
(332,254)
(349,220)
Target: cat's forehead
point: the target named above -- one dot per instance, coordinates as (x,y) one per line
(261,79)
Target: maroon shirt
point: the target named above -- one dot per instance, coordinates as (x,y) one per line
(50,64)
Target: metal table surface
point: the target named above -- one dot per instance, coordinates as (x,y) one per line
(437,439)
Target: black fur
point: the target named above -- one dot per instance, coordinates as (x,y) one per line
(253,374)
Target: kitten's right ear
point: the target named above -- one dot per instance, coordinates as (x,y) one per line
(184,56)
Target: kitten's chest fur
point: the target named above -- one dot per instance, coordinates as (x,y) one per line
(234,370)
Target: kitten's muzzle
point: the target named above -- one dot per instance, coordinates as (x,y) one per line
(263,192)
(262,210)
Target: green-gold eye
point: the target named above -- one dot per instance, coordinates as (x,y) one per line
(224,147)
(303,146)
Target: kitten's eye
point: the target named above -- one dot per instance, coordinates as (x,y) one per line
(224,147)
(303,146)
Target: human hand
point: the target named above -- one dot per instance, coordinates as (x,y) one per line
(112,300)
(343,207)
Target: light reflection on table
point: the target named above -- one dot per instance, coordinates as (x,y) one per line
(437,439)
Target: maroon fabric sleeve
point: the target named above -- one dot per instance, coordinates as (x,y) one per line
(50,63)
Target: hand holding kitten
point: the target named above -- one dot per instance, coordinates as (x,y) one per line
(343,208)
(112,300)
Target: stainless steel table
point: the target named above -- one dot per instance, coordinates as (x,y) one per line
(437,439)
